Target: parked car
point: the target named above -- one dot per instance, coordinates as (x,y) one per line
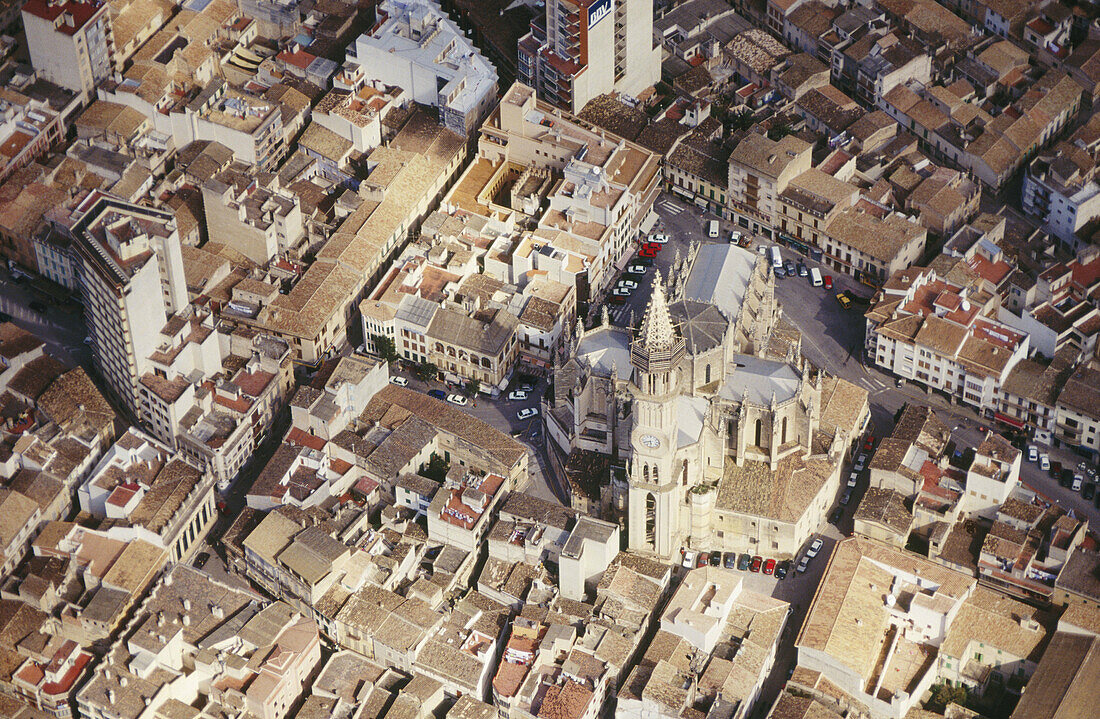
(757,561)
(769,566)
(836,515)
(1055,469)
(715,559)
(743,562)
(399,380)
(689,559)
(788,265)
(802,270)
(861,462)
(802,565)
(621,292)
(653,246)
(1067,477)
(1089,490)
(815,547)
(458,399)
(628,284)
(647,252)
(201,559)
(869,443)
(1044,462)
(5,317)
(658,239)
(517,395)
(703,560)
(735,237)
(843,300)
(1098,500)
(782,569)
(437,393)
(527,413)
(1032,454)
(852,479)
(846,497)
(729,560)
(637,269)
(828,282)
(1078,480)
(615,299)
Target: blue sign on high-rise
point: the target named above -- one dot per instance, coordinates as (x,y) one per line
(598,11)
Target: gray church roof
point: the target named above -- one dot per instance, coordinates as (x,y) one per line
(720,276)
(758,378)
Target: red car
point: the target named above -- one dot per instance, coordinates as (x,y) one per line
(653,246)
(756,562)
(769,566)
(869,444)
(828,282)
(703,560)
(646,252)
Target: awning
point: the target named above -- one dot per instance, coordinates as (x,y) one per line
(681,191)
(1011,421)
(702,202)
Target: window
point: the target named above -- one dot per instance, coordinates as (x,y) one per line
(706,375)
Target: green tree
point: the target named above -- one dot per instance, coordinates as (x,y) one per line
(741,120)
(472,387)
(426,371)
(436,469)
(779,131)
(386,347)
(944,694)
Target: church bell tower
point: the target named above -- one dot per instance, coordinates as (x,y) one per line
(655,356)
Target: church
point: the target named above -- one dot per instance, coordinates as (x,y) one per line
(721,436)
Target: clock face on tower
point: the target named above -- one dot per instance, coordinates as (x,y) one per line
(650,441)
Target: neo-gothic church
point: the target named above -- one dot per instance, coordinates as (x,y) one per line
(709,411)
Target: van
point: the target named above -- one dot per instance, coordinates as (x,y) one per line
(776,258)
(712,230)
(815,277)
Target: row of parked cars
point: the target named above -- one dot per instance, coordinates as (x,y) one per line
(635,273)
(748,563)
(1082,478)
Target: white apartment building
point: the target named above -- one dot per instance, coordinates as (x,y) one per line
(417,47)
(585,48)
(252,215)
(68,42)
(925,330)
(354,109)
(759,171)
(1061,193)
(131,271)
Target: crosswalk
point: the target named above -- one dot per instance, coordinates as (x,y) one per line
(670,208)
(871,384)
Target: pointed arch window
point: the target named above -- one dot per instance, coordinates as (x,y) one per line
(706,375)
(783,432)
(759,433)
(645,472)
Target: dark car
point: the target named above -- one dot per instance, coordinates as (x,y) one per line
(729,560)
(802,271)
(437,393)
(1098,500)
(788,265)
(782,568)
(743,562)
(5,317)
(836,515)
(1089,490)
(1066,479)
(201,559)
(38,307)
(846,497)
(715,559)
(1055,469)
(757,561)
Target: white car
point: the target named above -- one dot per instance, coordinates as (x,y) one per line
(852,479)
(457,399)
(689,559)
(815,547)
(735,237)
(860,461)
(659,239)
(628,284)
(527,413)
(517,395)
(399,381)
(1044,462)
(762,249)
(621,292)
(637,269)
(1032,454)
(802,565)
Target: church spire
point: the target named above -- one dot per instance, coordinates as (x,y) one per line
(658,344)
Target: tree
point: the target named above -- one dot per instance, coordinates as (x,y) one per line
(472,387)
(944,694)
(741,120)
(436,469)
(779,131)
(386,347)
(426,371)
